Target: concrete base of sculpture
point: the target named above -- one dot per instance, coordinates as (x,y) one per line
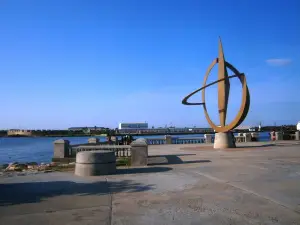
(94,163)
(224,140)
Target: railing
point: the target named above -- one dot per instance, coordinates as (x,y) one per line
(198,140)
(162,141)
(96,144)
(240,139)
(188,140)
(156,141)
(120,150)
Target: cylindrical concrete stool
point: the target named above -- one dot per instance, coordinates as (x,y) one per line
(94,163)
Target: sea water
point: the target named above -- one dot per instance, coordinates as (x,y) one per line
(40,149)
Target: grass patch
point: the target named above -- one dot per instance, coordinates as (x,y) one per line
(123,161)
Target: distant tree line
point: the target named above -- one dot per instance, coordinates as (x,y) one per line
(83,132)
(285,128)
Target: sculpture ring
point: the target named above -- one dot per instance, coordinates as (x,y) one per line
(244,108)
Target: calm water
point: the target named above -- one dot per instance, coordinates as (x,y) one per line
(40,149)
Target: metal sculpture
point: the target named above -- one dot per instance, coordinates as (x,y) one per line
(223,94)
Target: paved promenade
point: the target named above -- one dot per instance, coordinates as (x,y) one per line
(258,183)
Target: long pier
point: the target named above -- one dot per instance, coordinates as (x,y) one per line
(116,132)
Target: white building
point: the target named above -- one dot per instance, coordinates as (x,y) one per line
(133,126)
(298,126)
(18,132)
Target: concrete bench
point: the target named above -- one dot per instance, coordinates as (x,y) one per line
(94,163)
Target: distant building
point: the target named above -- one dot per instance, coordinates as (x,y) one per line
(133,126)
(86,128)
(252,129)
(18,132)
(298,126)
(243,128)
(165,130)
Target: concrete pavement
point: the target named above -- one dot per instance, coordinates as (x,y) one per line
(185,184)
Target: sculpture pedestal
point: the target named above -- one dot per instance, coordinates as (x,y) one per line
(224,140)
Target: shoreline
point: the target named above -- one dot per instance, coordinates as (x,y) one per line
(131,134)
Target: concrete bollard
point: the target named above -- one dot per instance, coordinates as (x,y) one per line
(93,140)
(61,149)
(278,136)
(248,137)
(297,137)
(208,138)
(255,136)
(139,152)
(168,139)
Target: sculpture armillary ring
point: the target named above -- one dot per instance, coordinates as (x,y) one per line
(223,93)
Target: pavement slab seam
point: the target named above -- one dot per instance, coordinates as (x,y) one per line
(111,204)
(249,191)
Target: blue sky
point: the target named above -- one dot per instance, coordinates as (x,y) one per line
(85,63)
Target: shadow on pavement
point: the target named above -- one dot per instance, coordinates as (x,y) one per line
(175,155)
(20,193)
(258,146)
(143,170)
(171,159)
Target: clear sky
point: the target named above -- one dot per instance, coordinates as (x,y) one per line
(86,63)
